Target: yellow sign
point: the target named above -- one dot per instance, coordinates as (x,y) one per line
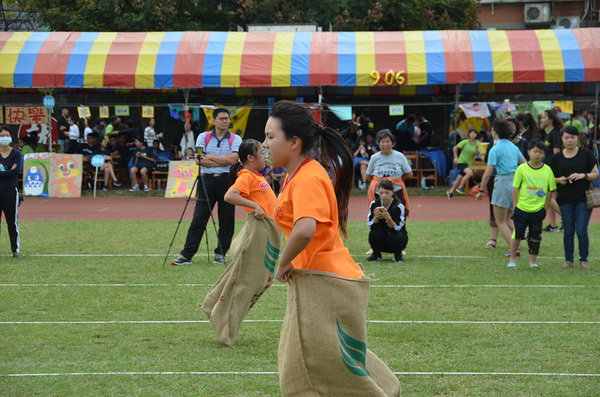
(36,115)
(565,106)
(239,119)
(84,112)
(104,112)
(1,115)
(148,112)
(15,115)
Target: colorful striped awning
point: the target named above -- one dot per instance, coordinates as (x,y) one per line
(158,60)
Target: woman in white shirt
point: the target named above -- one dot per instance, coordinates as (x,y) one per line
(149,133)
(73,135)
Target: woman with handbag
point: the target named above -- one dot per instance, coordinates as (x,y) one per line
(9,195)
(574,168)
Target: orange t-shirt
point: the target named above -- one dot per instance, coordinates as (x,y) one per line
(255,188)
(309,194)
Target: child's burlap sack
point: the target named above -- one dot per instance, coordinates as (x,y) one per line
(254,254)
(323,346)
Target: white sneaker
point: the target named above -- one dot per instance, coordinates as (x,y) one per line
(147,189)
(362,185)
(136,188)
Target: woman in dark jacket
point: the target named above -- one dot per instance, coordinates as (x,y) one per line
(10,159)
(387,221)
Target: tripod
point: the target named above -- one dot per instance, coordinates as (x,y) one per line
(206,199)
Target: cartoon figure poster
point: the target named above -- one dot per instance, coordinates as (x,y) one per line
(182,175)
(36,174)
(65,175)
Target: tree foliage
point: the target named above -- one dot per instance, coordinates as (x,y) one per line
(129,15)
(346,15)
(178,15)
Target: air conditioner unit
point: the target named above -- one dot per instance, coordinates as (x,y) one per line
(537,13)
(568,22)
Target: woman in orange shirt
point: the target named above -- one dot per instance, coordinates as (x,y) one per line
(309,210)
(323,342)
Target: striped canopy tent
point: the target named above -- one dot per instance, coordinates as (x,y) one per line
(159,60)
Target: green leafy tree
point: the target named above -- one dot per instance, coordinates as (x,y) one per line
(346,15)
(129,15)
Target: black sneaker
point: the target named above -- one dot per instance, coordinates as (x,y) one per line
(551,228)
(449,194)
(374,257)
(220,259)
(181,261)
(398,257)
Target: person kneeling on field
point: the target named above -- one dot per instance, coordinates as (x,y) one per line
(532,184)
(387,221)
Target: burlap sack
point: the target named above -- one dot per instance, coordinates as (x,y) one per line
(254,254)
(323,346)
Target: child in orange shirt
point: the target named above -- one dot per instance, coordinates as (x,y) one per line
(249,188)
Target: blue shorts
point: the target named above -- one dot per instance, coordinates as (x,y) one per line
(502,195)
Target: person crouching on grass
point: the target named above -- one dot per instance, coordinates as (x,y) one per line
(532,191)
(249,188)
(387,221)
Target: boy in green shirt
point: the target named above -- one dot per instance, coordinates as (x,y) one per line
(532,184)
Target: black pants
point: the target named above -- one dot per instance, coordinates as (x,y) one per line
(72,146)
(384,241)
(9,204)
(216,187)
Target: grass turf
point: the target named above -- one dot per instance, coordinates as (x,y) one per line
(448,276)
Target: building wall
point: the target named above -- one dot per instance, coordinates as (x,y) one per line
(508,15)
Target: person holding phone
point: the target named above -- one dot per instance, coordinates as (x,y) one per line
(387,221)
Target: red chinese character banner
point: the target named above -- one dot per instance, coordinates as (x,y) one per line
(36,115)
(42,130)
(15,115)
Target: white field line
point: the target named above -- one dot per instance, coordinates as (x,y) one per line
(22,285)
(278,321)
(200,255)
(277,373)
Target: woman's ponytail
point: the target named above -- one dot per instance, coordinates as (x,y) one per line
(335,152)
(233,171)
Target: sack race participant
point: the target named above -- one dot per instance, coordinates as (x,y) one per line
(254,251)
(323,344)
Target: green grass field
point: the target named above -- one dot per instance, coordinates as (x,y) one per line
(453,308)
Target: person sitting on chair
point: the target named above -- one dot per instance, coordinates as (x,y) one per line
(387,221)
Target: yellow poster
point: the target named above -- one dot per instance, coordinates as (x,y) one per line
(1,115)
(104,112)
(148,112)
(565,106)
(239,119)
(84,112)
(180,180)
